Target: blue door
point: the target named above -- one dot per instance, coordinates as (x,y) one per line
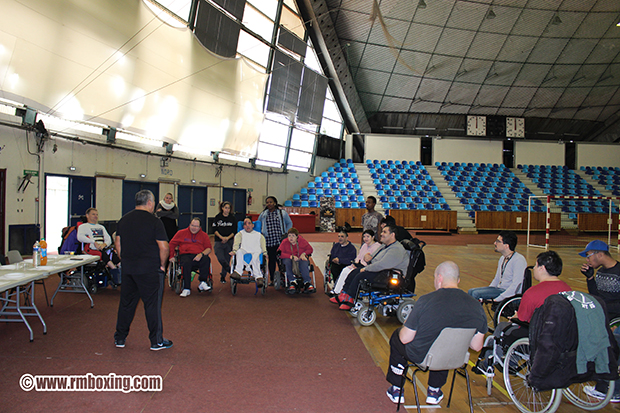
(81,196)
(237,198)
(192,203)
(131,188)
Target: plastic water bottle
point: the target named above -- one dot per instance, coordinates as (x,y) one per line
(36,254)
(43,249)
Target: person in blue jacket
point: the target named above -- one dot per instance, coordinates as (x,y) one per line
(275,224)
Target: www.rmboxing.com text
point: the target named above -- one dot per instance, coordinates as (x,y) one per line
(91,382)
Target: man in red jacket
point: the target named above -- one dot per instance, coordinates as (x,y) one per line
(194,249)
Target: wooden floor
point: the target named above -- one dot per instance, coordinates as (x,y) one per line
(477,263)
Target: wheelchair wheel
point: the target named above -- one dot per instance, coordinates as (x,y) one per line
(233,286)
(170,275)
(176,284)
(614,323)
(92,287)
(356,308)
(277,280)
(404,309)
(507,308)
(366,316)
(577,396)
(516,369)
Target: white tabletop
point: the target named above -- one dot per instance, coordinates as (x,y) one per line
(14,275)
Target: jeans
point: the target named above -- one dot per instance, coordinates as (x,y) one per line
(486,293)
(303,269)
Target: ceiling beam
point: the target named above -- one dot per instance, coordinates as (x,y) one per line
(320,27)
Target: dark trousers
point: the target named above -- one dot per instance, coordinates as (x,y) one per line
(272,254)
(222,252)
(148,287)
(354,278)
(188,264)
(336,269)
(398,362)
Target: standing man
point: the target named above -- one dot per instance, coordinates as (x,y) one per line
(372,218)
(447,306)
(510,269)
(194,249)
(606,282)
(144,243)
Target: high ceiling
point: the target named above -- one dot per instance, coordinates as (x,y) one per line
(421,65)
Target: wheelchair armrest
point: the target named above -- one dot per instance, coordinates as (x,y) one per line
(520,323)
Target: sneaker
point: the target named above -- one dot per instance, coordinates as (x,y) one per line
(292,289)
(203,286)
(309,289)
(334,300)
(394,393)
(223,280)
(161,346)
(185,293)
(120,343)
(434,396)
(592,392)
(346,305)
(259,282)
(235,275)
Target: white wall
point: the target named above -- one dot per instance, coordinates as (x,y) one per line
(593,154)
(392,147)
(539,153)
(91,160)
(467,150)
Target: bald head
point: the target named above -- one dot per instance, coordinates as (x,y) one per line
(447,275)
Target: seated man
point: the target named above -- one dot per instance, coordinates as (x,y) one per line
(390,255)
(546,271)
(606,282)
(510,269)
(342,254)
(194,249)
(448,306)
(95,239)
(248,241)
(296,251)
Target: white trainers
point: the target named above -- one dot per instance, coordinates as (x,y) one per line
(185,293)
(203,286)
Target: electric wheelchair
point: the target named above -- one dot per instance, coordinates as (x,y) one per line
(392,295)
(246,278)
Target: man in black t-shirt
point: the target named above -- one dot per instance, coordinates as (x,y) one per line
(142,238)
(448,306)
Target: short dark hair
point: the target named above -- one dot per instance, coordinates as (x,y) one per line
(143,196)
(510,238)
(369,232)
(392,228)
(293,230)
(389,220)
(248,217)
(196,219)
(551,261)
(90,209)
(372,198)
(343,231)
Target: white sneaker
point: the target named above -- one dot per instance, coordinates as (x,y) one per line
(185,293)
(592,392)
(203,286)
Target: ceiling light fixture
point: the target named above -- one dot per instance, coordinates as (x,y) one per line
(421,4)
(491,14)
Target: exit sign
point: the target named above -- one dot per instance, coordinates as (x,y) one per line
(29,172)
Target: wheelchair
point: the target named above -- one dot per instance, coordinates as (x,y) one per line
(174,275)
(280,280)
(98,275)
(500,312)
(392,296)
(246,278)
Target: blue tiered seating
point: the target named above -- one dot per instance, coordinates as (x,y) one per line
(405,185)
(561,181)
(487,187)
(609,177)
(339,181)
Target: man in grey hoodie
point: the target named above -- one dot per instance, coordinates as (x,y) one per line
(391,255)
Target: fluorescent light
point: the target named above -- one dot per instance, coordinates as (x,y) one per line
(138,139)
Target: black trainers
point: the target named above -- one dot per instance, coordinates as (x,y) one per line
(120,343)
(394,393)
(161,346)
